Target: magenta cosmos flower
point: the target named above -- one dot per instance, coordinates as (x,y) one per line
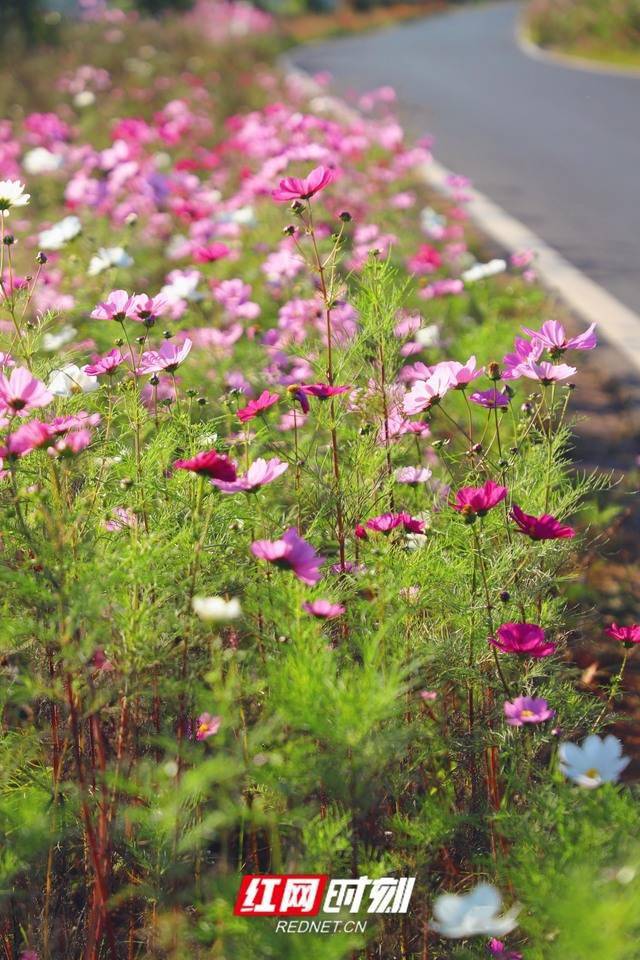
(254,407)
(527,710)
(386,522)
(21,392)
(290,553)
(627,635)
(208,725)
(323,609)
(168,357)
(527,639)
(105,365)
(295,188)
(544,527)
(552,335)
(259,473)
(477,501)
(119,306)
(490,399)
(497,949)
(29,436)
(209,463)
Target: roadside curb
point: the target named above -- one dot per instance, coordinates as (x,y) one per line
(557,59)
(586,299)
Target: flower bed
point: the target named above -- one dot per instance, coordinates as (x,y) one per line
(288,516)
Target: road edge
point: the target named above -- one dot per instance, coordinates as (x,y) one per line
(556,58)
(584,297)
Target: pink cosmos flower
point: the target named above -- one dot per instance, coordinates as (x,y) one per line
(324,609)
(552,335)
(99,661)
(148,309)
(425,393)
(294,188)
(490,399)
(544,527)
(460,374)
(427,260)
(259,473)
(291,553)
(527,639)
(627,635)
(118,306)
(546,372)
(208,725)
(322,391)
(523,353)
(105,365)
(412,475)
(29,436)
(387,522)
(211,464)
(477,501)
(120,517)
(168,357)
(29,955)
(441,288)
(527,710)
(21,392)
(72,443)
(210,252)
(497,949)
(254,407)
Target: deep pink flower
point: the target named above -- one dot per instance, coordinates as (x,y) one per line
(168,357)
(74,421)
(105,365)
(259,473)
(427,260)
(322,390)
(99,661)
(254,407)
(323,609)
(490,399)
(629,634)
(208,725)
(477,501)
(387,522)
(72,443)
(552,335)
(27,437)
(119,306)
(527,710)
(527,639)
(290,553)
(497,949)
(210,252)
(544,527)
(211,464)
(546,372)
(21,392)
(294,188)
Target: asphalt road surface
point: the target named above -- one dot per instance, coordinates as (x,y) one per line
(557,148)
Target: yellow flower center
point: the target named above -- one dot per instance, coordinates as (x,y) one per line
(593,773)
(528,713)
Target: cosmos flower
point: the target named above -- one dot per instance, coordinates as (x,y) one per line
(547,373)
(497,949)
(59,234)
(412,475)
(472,914)
(254,407)
(12,195)
(27,437)
(594,762)
(21,392)
(118,306)
(477,501)
(544,527)
(323,609)
(294,188)
(259,473)
(168,357)
(71,379)
(490,399)
(425,393)
(216,609)
(552,335)
(628,635)
(105,365)
(527,710)
(480,271)
(209,463)
(527,639)
(387,522)
(108,257)
(208,725)
(291,552)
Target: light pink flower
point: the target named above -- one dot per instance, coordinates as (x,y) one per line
(208,725)
(546,372)
(323,609)
(425,393)
(552,335)
(21,392)
(27,437)
(168,357)
(107,364)
(119,306)
(120,517)
(527,710)
(295,188)
(259,473)
(291,553)
(412,475)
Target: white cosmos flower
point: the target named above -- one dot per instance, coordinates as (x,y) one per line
(41,160)
(85,98)
(216,609)
(12,195)
(109,257)
(53,341)
(71,379)
(428,336)
(480,271)
(594,762)
(473,914)
(56,236)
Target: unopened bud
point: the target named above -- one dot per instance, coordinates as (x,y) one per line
(346,217)
(41,257)
(289,230)
(493,370)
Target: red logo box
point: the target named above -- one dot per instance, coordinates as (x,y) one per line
(280,895)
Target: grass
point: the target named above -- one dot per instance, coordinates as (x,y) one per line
(591,29)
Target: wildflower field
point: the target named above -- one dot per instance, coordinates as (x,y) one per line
(288,521)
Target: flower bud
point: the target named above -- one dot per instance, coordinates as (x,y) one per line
(493,370)
(41,257)
(346,217)
(289,230)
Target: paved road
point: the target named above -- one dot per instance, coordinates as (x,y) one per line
(557,148)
